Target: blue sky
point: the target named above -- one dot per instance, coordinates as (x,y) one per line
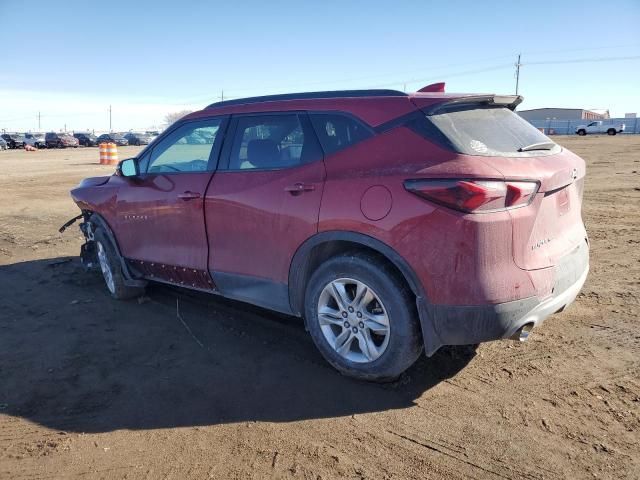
(71,60)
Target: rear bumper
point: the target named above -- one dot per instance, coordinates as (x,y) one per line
(463,325)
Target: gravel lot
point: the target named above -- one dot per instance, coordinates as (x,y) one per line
(95,388)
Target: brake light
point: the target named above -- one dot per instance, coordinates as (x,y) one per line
(475,196)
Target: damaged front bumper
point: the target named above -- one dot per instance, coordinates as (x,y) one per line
(88,249)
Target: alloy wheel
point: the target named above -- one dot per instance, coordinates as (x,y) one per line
(106,268)
(353,320)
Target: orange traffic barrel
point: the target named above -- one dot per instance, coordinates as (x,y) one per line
(108,154)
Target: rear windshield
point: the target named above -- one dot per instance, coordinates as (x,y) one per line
(491,132)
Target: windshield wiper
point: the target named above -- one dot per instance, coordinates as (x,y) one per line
(537,146)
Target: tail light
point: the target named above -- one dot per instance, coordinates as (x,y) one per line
(475,196)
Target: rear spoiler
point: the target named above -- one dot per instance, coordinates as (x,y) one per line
(508,101)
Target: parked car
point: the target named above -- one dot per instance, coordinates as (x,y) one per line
(138,138)
(36,140)
(3,144)
(86,139)
(116,138)
(14,140)
(390,222)
(600,127)
(60,140)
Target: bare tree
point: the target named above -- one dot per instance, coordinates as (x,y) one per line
(173,117)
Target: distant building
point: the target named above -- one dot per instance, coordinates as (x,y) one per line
(630,115)
(563,114)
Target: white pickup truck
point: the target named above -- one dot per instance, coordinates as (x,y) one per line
(600,127)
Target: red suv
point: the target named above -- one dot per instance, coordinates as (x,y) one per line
(391,222)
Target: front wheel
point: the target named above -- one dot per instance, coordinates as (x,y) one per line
(582,133)
(611,131)
(109,262)
(362,317)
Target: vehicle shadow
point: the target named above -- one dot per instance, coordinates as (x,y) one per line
(72,358)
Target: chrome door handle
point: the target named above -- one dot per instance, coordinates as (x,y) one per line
(186,196)
(298,188)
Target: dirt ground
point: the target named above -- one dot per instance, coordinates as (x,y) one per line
(95,388)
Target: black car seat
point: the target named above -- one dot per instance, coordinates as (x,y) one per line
(263,153)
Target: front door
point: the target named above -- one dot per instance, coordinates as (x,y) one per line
(262,204)
(161,228)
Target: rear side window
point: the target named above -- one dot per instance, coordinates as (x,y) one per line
(272,142)
(491,132)
(337,131)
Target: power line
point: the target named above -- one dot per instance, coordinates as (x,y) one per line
(454,74)
(588,49)
(209,97)
(206,97)
(585,60)
(440,77)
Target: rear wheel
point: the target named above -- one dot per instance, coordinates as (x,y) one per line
(582,132)
(611,131)
(362,318)
(109,262)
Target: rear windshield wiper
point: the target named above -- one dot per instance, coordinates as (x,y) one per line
(537,146)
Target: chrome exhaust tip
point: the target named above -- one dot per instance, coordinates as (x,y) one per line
(522,334)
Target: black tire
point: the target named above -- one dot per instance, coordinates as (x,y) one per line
(405,339)
(611,131)
(118,289)
(582,132)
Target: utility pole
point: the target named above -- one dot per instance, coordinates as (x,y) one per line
(222,95)
(518,64)
(38,121)
(109,117)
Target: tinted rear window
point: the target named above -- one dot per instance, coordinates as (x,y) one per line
(489,132)
(337,131)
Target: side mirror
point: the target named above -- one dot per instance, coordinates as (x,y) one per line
(128,168)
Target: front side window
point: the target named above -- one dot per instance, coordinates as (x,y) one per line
(186,149)
(271,142)
(337,131)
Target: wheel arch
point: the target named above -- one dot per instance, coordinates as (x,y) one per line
(325,245)
(99,221)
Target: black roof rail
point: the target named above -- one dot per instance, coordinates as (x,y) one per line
(310,95)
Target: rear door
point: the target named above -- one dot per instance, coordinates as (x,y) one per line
(262,204)
(160,225)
